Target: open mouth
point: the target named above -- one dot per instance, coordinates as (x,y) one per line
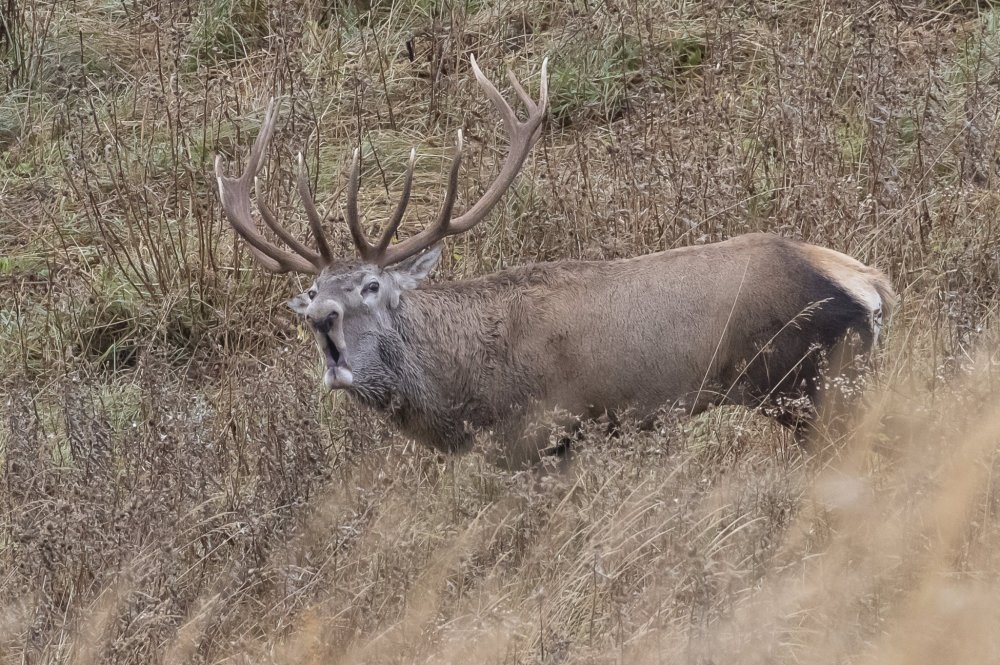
(338,373)
(331,351)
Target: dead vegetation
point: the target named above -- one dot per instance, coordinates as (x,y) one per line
(177,487)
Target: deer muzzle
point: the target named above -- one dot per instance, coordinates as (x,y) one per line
(330,337)
(338,372)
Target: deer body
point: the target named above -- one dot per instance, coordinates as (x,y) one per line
(745,321)
(748,321)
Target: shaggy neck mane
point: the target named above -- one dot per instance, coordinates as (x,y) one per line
(453,341)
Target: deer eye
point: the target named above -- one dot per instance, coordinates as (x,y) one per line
(370,287)
(311,293)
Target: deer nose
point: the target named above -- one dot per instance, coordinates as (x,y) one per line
(323,323)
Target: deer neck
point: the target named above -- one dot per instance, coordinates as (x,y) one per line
(438,333)
(434,372)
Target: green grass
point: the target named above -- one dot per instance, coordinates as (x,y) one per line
(590,77)
(229,29)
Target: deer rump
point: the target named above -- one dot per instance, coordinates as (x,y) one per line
(752,321)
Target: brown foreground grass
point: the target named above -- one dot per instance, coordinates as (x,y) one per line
(177,487)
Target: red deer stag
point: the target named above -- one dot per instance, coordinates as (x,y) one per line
(746,321)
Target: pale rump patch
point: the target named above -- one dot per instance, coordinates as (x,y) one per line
(865,284)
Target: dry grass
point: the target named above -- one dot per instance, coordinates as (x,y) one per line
(177,487)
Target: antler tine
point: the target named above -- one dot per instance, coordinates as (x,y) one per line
(315,221)
(526,99)
(234,194)
(361,243)
(509,117)
(272,223)
(397,217)
(452,192)
(523,136)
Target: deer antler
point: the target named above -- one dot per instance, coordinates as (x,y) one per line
(523,136)
(235,196)
(235,193)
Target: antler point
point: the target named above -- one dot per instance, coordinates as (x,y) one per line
(475,68)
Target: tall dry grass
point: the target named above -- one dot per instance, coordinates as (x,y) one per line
(177,488)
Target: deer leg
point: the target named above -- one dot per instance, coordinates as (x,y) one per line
(801,424)
(563,446)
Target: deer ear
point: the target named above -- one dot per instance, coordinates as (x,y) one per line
(412,271)
(298,304)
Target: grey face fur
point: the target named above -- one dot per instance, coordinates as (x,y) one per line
(349,309)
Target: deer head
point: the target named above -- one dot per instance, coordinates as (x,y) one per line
(352,301)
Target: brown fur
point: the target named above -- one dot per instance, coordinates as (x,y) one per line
(743,321)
